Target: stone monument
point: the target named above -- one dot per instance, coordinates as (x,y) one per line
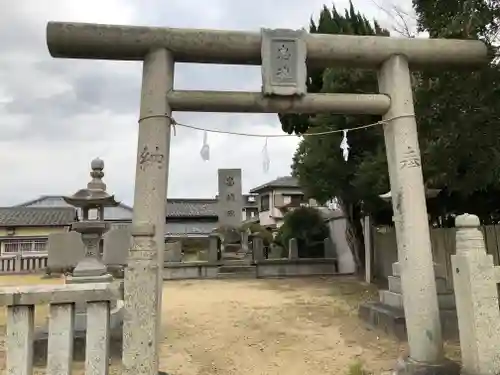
(91,269)
(229,210)
(230,200)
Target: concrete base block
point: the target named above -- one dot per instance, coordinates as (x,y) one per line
(445,301)
(406,366)
(391,320)
(395,285)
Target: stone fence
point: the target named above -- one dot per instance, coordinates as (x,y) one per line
(23,263)
(21,301)
(443,247)
(476,280)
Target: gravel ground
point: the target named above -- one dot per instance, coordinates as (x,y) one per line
(263,327)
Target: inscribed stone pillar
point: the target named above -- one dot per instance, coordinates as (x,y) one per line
(230,201)
(293,249)
(410,215)
(143,277)
(475,283)
(258,249)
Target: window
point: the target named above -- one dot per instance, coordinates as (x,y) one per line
(296,200)
(264,202)
(24,246)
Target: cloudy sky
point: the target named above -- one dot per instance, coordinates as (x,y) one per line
(56,115)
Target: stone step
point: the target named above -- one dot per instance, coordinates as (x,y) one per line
(392,321)
(395,285)
(439,270)
(445,301)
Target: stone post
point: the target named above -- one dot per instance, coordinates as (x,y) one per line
(258,249)
(293,249)
(244,241)
(475,281)
(213,248)
(329,248)
(143,276)
(410,216)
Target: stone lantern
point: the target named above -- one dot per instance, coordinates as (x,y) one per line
(92,201)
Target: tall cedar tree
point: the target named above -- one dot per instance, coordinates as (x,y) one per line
(318,161)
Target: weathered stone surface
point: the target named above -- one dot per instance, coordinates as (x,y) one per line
(475,281)
(116,246)
(173,251)
(410,213)
(284,70)
(293,249)
(65,250)
(391,320)
(68,293)
(116,42)
(407,366)
(258,248)
(230,199)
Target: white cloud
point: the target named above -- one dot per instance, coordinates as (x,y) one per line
(58,114)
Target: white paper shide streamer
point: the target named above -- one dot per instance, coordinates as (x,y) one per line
(344,146)
(205,149)
(265,159)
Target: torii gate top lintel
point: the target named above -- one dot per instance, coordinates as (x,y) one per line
(116,42)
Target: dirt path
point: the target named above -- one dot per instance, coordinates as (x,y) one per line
(262,327)
(294,327)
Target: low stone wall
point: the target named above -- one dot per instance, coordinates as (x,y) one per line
(190,270)
(270,268)
(296,267)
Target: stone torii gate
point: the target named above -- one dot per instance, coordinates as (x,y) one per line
(283,55)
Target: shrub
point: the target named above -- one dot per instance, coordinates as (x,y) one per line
(305,224)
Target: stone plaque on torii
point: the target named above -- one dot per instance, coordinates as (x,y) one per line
(283,91)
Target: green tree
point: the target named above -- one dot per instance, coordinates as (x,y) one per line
(318,162)
(307,226)
(458,112)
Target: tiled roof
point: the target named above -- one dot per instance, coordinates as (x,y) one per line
(36,216)
(121,212)
(181,207)
(280,182)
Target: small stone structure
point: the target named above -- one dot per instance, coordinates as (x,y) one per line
(90,268)
(173,251)
(475,279)
(116,243)
(65,250)
(293,249)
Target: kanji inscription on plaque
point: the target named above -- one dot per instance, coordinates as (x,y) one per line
(284,69)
